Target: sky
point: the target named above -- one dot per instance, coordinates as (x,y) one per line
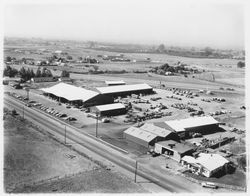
(141,22)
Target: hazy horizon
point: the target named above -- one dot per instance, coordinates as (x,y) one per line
(185,25)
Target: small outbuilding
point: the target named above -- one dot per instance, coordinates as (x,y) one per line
(109,109)
(115,82)
(173,149)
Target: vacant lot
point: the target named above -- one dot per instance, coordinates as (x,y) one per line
(31,156)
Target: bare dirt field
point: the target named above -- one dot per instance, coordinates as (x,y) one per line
(31,156)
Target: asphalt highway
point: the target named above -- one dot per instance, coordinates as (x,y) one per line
(171,183)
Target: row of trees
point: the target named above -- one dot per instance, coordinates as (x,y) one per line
(241,64)
(27,74)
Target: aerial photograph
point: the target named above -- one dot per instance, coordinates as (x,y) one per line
(115,96)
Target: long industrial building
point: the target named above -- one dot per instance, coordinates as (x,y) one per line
(66,93)
(124,90)
(185,128)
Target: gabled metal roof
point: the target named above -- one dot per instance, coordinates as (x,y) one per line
(141,134)
(181,125)
(155,130)
(123,88)
(70,92)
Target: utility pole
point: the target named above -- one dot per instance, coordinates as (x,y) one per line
(64,134)
(23,112)
(135,169)
(96,127)
(27,90)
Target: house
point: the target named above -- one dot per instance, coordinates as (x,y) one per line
(205,164)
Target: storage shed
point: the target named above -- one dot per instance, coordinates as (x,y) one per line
(115,82)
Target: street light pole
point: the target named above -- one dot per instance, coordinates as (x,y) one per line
(65,134)
(135,169)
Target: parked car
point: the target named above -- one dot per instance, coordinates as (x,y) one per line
(209,185)
(71,119)
(105,120)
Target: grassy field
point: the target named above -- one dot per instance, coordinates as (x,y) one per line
(223,69)
(29,156)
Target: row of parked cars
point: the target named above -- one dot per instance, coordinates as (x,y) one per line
(30,103)
(54,112)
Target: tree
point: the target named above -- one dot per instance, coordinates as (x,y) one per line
(38,72)
(161,48)
(22,73)
(32,74)
(240,64)
(44,72)
(208,51)
(11,72)
(65,74)
(69,57)
(8,59)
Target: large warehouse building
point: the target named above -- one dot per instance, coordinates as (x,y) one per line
(185,128)
(124,90)
(66,93)
(113,109)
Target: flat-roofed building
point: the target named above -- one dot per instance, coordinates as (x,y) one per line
(113,109)
(174,149)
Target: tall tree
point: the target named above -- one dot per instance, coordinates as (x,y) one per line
(38,72)
(65,74)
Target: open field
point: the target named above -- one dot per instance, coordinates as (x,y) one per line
(29,157)
(223,69)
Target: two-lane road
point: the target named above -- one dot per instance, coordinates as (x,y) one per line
(171,183)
